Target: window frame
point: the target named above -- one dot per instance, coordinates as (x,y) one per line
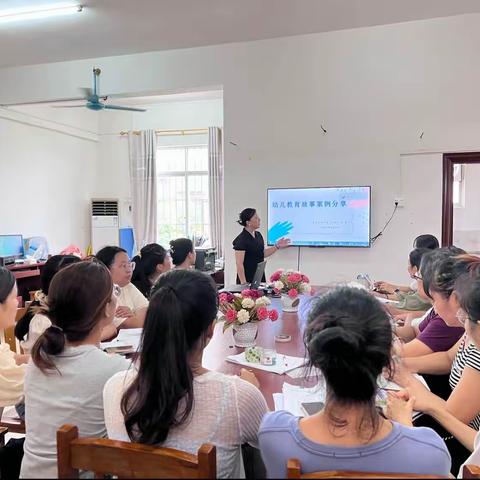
(185,174)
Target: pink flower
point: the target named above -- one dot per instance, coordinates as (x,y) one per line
(294,278)
(223,298)
(275,276)
(276,291)
(305,279)
(293,293)
(262,313)
(273,315)
(231,315)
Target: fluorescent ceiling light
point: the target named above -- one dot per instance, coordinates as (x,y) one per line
(38,12)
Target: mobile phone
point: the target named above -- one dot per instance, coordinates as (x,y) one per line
(311,408)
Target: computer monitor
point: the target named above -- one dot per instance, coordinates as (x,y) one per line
(11,246)
(257,278)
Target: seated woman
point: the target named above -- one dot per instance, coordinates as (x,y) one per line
(33,324)
(349,338)
(64,383)
(11,374)
(172,400)
(432,334)
(410,301)
(152,261)
(183,253)
(461,362)
(424,242)
(132,305)
(467,288)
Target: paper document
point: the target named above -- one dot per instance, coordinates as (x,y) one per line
(284,363)
(126,337)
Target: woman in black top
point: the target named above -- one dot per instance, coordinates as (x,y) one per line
(250,248)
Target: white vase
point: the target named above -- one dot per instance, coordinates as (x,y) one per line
(245,335)
(290,304)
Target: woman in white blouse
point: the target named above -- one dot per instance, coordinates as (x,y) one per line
(33,323)
(171,400)
(11,374)
(132,305)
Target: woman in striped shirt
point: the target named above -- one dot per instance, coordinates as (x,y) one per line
(462,360)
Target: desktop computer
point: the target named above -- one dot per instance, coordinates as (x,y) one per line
(205,260)
(11,249)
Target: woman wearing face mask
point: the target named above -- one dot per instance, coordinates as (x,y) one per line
(65,379)
(11,374)
(461,362)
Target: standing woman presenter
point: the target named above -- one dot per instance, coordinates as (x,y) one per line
(250,248)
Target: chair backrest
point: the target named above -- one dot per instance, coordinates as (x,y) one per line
(129,460)
(9,333)
(471,471)
(294,471)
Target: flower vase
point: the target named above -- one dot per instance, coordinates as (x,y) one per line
(245,335)
(290,304)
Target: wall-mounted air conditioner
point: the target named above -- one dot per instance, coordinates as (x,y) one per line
(104,223)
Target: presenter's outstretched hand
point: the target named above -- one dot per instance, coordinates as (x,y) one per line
(278,231)
(282,243)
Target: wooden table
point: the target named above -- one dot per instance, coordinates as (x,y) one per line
(221,345)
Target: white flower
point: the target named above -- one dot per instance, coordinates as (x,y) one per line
(278,285)
(262,302)
(243,316)
(306,288)
(238,295)
(248,303)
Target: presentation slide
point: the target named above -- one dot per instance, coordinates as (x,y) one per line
(320,217)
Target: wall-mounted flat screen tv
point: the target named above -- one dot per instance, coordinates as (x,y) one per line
(320,217)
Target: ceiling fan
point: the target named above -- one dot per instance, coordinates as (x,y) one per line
(95,101)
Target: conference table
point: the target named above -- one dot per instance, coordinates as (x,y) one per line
(221,346)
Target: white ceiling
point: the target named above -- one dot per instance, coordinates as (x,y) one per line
(117,27)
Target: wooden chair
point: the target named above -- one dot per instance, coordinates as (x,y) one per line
(294,471)
(129,460)
(471,471)
(9,335)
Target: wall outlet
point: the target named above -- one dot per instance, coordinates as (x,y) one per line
(400,201)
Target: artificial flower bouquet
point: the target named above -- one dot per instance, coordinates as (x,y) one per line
(247,306)
(290,282)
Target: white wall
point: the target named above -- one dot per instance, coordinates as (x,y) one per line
(374,90)
(47,176)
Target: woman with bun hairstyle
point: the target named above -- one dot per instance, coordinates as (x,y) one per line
(183,253)
(348,337)
(152,261)
(250,248)
(65,379)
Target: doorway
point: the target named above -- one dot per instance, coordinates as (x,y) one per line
(461,201)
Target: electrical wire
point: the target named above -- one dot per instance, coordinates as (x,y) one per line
(379,234)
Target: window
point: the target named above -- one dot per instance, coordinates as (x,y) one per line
(458,191)
(182,194)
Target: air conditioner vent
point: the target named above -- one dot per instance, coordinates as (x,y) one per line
(104,208)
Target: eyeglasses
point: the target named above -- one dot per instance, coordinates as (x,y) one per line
(116,290)
(129,266)
(416,276)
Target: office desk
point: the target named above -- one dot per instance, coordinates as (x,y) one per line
(221,345)
(28,277)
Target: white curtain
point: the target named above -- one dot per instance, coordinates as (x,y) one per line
(215,177)
(143,181)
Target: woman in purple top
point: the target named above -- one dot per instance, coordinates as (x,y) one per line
(433,334)
(349,338)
